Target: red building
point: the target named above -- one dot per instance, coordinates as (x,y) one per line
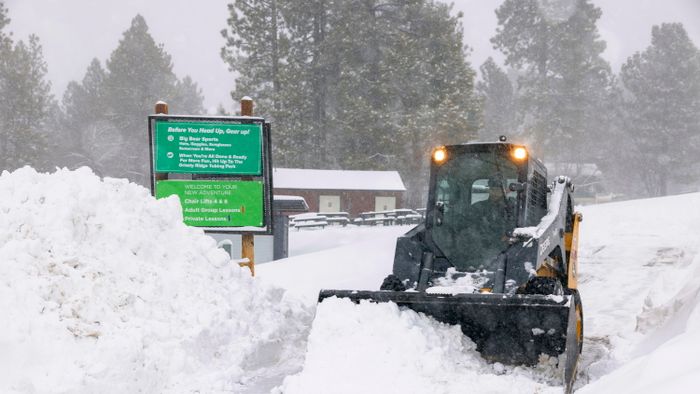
(341,191)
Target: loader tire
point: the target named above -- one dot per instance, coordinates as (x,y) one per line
(544,286)
(392,283)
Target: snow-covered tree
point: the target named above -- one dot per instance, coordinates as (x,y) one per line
(25,100)
(84,101)
(4,20)
(105,115)
(663,109)
(90,139)
(187,97)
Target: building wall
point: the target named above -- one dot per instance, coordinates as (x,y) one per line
(351,201)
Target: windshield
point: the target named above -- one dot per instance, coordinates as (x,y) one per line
(474,208)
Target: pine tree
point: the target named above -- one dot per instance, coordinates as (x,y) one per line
(26,101)
(360,85)
(84,101)
(498,102)
(305,103)
(187,97)
(564,82)
(260,65)
(618,160)
(90,139)
(5,53)
(664,109)
(4,21)
(106,113)
(256,49)
(435,85)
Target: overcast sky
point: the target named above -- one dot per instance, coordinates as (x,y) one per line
(73,32)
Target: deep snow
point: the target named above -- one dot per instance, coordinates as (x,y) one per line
(640,267)
(103,289)
(637,270)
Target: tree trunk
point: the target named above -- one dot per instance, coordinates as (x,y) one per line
(274,35)
(320,85)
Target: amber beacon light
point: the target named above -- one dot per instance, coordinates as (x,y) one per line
(519,153)
(439,155)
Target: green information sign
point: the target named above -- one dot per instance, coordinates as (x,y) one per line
(208,148)
(217,203)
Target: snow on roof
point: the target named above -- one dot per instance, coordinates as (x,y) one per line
(284,203)
(282,197)
(573,169)
(297,178)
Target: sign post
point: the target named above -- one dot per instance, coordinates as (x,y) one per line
(248,239)
(219,167)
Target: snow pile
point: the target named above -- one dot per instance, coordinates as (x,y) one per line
(634,258)
(103,289)
(455,283)
(666,359)
(379,348)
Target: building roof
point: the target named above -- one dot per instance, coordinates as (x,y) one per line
(282,203)
(573,170)
(297,178)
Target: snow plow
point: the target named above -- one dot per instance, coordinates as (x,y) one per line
(497,255)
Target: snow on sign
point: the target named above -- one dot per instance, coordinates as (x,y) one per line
(217,203)
(208,147)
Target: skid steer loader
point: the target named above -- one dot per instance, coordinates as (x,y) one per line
(493,223)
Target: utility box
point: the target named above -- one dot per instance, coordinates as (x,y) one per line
(231,243)
(282,207)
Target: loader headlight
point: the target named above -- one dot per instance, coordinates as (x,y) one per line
(439,155)
(519,153)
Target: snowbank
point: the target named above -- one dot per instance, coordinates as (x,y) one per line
(103,289)
(666,359)
(634,258)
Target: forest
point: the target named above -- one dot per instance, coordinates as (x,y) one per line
(375,85)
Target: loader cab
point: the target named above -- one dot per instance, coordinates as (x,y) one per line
(478,194)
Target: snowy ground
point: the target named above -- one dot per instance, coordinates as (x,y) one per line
(638,264)
(102,289)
